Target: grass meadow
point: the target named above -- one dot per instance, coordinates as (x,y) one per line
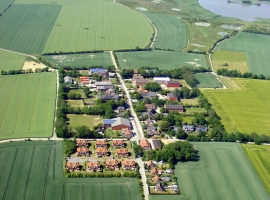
(35,171)
(27,105)
(83,120)
(245,109)
(161,59)
(80,60)
(222,172)
(235,60)
(98,25)
(255,46)
(26,28)
(172,32)
(11,61)
(207,80)
(260,159)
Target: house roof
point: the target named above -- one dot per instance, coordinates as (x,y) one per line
(142,90)
(159,187)
(162,79)
(145,143)
(154,170)
(121,151)
(155,178)
(120,121)
(151,127)
(108,121)
(156,144)
(118,142)
(120,108)
(129,162)
(101,150)
(188,127)
(172,82)
(127,132)
(150,106)
(112,162)
(101,142)
(172,95)
(173,107)
(67,79)
(82,150)
(153,132)
(97,70)
(149,162)
(81,142)
(93,164)
(72,164)
(108,97)
(201,128)
(103,83)
(135,76)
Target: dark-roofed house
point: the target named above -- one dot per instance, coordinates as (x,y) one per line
(120,109)
(177,108)
(172,97)
(175,84)
(104,85)
(156,144)
(154,133)
(106,97)
(148,95)
(117,123)
(201,128)
(188,128)
(159,187)
(68,80)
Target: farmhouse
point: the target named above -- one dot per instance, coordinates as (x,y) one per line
(97,71)
(129,164)
(174,84)
(145,144)
(101,143)
(71,166)
(188,128)
(102,152)
(84,80)
(82,143)
(117,123)
(68,80)
(83,151)
(156,144)
(112,164)
(104,85)
(161,79)
(93,166)
(122,152)
(172,97)
(148,95)
(177,108)
(118,143)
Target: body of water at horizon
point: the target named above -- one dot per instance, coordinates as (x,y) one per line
(244,12)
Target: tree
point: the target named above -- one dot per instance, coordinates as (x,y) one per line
(152,86)
(190,78)
(199,119)
(164,126)
(138,150)
(69,147)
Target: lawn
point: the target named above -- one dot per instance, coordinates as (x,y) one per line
(259,156)
(235,60)
(207,80)
(98,25)
(84,120)
(75,103)
(195,110)
(256,47)
(11,61)
(161,59)
(223,172)
(80,60)
(27,105)
(245,110)
(78,91)
(35,171)
(172,32)
(26,28)
(190,101)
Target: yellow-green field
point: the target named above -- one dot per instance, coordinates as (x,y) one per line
(235,60)
(75,103)
(83,120)
(11,61)
(246,110)
(190,101)
(229,83)
(259,155)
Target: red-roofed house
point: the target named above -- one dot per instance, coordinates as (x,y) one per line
(129,164)
(145,144)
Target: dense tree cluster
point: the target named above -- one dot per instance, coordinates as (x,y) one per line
(69,147)
(152,86)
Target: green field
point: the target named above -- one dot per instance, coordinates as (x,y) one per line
(80,60)
(171,32)
(34,170)
(26,28)
(11,61)
(256,48)
(27,105)
(223,172)
(84,120)
(190,101)
(195,110)
(207,80)
(260,159)
(235,60)
(245,109)
(98,25)
(4,5)
(161,59)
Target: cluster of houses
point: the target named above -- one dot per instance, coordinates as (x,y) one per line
(146,145)
(159,176)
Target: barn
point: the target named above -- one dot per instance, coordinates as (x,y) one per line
(175,84)
(117,123)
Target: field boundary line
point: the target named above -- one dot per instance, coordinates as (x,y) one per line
(54,159)
(10,173)
(47,173)
(64,192)
(83,192)
(29,171)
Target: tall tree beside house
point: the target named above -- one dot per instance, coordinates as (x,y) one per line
(152,86)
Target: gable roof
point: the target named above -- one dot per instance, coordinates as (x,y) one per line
(156,144)
(171,95)
(145,143)
(173,107)
(97,70)
(120,121)
(103,83)
(129,162)
(112,162)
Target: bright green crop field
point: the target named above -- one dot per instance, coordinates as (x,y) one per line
(26,28)
(260,159)
(161,59)
(245,109)
(98,25)
(27,105)
(4,5)
(172,32)
(255,46)
(207,80)
(80,60)
(223,172)
(35,171)
(11,61)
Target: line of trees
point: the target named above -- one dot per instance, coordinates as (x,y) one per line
(238,74)
(14,72)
